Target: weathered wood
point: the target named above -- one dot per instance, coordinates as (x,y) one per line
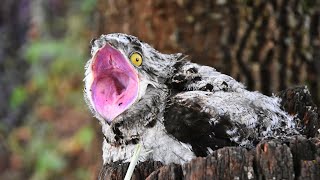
(306,157)
(299,158)
(118,171)
(298,101)
(169,172)
(274,161)
(225,163)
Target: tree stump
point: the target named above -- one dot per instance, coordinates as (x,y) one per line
(298,158)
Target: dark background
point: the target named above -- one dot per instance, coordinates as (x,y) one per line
(46,131)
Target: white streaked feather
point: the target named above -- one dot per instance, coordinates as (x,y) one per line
(164,148)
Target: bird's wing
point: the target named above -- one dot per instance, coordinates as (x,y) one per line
(211,120)
(189,119)
(189,76)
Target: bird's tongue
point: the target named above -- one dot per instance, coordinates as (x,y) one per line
(115,85)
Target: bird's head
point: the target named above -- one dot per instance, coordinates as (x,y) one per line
(119,73)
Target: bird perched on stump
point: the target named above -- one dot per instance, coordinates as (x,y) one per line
(175,109)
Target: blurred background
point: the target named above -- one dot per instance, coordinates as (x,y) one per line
(46,130)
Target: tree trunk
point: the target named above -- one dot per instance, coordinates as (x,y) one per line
(268,45)
(299,158)
(14,24)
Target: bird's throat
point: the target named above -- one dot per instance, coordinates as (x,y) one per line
(115,86)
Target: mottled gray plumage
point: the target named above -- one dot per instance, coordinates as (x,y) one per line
(183,109)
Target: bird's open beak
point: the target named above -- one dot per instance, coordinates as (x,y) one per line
(115,85)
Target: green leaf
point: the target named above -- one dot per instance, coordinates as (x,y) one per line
(37,51)
(84,136)
(18,96)
(50,161)
(88,5)
(82,173)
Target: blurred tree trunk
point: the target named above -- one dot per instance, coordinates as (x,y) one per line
(14,21)
(14,24)
(267,45)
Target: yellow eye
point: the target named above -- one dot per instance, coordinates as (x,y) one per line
(136,59)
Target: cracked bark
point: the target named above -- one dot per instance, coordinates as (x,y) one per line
(299,158)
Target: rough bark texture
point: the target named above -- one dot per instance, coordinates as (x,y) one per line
(298,101)
(268,45)
(118,171)
(296,157)
(299,158)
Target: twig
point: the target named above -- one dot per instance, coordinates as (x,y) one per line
(133,162)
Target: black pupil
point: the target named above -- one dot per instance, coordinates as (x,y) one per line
(137,59)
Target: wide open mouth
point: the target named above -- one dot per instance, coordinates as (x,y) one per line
(116,84)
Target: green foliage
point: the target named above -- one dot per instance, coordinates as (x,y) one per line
(88,5)
(39,153)
(82,174)
(43,49)
(56,73)
(3,128)
(84,136)
(61,55)
(46,155)
(52,63)
(48,161)
(18,96)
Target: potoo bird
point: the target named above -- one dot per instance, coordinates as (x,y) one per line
(175,109)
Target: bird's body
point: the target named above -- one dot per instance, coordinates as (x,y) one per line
(175,109)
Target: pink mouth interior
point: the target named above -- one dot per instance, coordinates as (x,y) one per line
(115,85)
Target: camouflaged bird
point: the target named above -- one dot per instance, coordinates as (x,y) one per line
(175,109)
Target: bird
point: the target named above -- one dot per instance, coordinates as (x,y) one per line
(175,109)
